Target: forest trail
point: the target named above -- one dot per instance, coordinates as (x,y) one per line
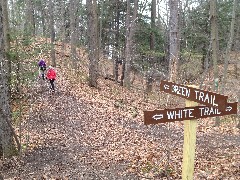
(78,134)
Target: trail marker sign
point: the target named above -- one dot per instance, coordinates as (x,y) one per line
(216,105)
(187,113)
(193,94)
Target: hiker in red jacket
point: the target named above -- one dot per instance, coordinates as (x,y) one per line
(51,75)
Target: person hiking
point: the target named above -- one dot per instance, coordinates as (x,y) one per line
(42,68)
(51,76)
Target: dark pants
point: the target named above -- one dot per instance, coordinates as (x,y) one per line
(52,84)
(43,76)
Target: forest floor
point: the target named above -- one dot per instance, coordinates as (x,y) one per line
(81,132)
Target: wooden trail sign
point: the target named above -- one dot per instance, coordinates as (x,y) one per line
(216,105)
(193,94)
(187,113)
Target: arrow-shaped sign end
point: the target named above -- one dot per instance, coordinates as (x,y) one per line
(229,108)
(157,116)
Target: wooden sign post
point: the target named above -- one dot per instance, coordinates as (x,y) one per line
(189,145)
(216,105)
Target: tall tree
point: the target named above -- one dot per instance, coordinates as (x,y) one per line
(43,17)
(6,25)
(73,28)
(149,73)
(126,73)
(174,40)
(63,26)
(153,24)
(214,39)
(229,46)
(52,32)
(7,147)
(93,44)
(29,26)
(215,50)
(6,32)
(117,28)
(130,30)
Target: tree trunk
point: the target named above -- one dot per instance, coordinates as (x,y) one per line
(93,42)
(229,46)
(52,32)
(6,33)
(73,17)
(174,40)
(116,60)
(43,18)
(6,29)
(153,24)
(63,28)
(214,39)
(130,30)
(148,75)
(6,136)
(29,26)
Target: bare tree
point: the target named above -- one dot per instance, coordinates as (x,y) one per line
(174,39)
(29,26)
(7,147)
(130,30)
(153,24)
(52,32)
(73,29)
(229,45)
(117,26)
(214,40)
(93,41)
(6,32)
(63,25)
(43,17)
(6,25)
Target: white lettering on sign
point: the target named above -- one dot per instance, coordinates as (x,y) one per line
(205,97)
(207,111)
(181,90)
(178,114)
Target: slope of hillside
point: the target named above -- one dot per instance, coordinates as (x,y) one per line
(86,133)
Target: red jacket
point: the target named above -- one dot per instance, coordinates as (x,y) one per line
(51,74)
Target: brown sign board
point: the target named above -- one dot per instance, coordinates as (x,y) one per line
(203,97)
(187,113)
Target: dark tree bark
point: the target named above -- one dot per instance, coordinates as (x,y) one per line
(6,32)
(7,147)
(93,44)
(174,40)
(52,32)
(215,50)
(116,60)
(29,26)
(130,30)
(6,25)
(229,46)
(153,24)
(43,18)
(73,29)
(214,38)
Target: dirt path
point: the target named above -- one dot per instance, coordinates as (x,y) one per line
(75,136)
